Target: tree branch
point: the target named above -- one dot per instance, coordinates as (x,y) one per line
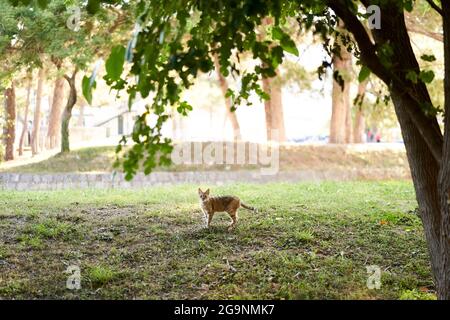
(71,79)
(427,127)
(435,6)
(366,46)
(413,26)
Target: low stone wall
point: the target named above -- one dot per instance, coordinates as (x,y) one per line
(31,181)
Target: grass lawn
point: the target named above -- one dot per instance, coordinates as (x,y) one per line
(309,241)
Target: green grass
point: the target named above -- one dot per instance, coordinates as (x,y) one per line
(101,275)
(308,241)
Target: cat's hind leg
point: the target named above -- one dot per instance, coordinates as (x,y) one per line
(234,219)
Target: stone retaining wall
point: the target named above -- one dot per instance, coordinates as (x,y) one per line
(31,181)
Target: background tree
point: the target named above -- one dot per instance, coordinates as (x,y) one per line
(10,121)
(341,118)
(35,147)
(54,122)
(231,115)
(26,112)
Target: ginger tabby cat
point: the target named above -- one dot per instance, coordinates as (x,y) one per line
(229,204)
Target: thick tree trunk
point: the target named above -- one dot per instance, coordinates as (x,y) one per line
(10,125)
(349,123)
(424,172)
(426,166)
(360,125)
(444,177)
(231,115)
(37,114)
(341,123)
(275,130)
(67,113)
(54,122)
(25,117)
(427,150)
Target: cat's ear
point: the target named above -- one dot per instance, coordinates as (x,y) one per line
(200,191)
(207,192)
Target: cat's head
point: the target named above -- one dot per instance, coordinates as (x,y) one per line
(203,195)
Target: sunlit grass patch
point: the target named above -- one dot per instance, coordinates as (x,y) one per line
(308,241)
(100,275)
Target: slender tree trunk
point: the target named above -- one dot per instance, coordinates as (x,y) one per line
(25,116)
(54,122)
(360,125)
(341,119)
(67,113)
(10,125)
(231,115)
(37,114)
(274,111)
(273,108)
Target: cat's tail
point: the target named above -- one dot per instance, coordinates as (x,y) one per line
(243,205)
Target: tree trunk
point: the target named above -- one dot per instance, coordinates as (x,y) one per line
(25,116)
(360,125)
(444,175)
(10,125)
(427,150)
(348,122)
(427,169)
(273,108)
(231,115)
(341,123)
(424,172)
(67,113)
(54,122)
(37,114)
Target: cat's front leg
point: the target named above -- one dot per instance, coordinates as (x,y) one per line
(210,216)
(205,218)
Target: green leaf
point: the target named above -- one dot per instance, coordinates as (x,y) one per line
(428,57)
(87,88)
(277,33)
(93,6)
(426,76)
(114,63)
(43,3)
(288,45)
(363,74)
(286,42)
(412,76)
(408,5)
